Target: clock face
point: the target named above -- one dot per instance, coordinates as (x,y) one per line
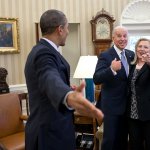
(102,29)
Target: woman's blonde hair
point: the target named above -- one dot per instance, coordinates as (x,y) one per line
(136,45)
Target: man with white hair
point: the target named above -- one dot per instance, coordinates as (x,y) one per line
(111,72)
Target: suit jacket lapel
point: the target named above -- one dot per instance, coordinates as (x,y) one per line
(128,56)
(129,59)
(114,55)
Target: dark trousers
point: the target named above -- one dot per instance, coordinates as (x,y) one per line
(115,133)
(139,134)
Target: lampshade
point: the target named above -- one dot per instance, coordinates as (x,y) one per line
(85,70)
(85,67)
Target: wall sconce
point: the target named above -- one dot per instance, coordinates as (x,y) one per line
(85,70)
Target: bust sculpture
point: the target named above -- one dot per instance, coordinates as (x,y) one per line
(3,84)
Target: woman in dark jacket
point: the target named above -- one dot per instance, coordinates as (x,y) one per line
(139,101)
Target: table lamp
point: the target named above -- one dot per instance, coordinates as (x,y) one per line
(85,70)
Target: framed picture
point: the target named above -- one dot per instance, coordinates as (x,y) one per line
(9,35)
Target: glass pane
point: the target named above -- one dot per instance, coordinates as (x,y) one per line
(133,40)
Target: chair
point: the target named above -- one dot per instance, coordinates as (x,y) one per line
(12,135)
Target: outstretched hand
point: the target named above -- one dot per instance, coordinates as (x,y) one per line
(82,105)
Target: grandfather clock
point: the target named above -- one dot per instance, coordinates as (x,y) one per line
(102,26)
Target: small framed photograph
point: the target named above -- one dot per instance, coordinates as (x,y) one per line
(9,36)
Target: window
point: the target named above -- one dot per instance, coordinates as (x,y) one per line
(133,40)
(136,17)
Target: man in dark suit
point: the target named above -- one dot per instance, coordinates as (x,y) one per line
(51,99)
(112,74)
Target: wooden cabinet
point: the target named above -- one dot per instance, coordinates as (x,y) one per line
(102,46)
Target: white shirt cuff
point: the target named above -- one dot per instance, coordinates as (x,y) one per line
(114,72)
(65,101)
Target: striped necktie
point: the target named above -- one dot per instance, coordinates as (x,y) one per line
(124,62)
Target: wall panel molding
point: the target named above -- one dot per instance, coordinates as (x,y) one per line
(18,87)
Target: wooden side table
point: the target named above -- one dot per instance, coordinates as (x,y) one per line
(85,124)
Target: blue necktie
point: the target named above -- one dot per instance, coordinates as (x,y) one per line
(124,62)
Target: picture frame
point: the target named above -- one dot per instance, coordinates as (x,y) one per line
(9,35)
